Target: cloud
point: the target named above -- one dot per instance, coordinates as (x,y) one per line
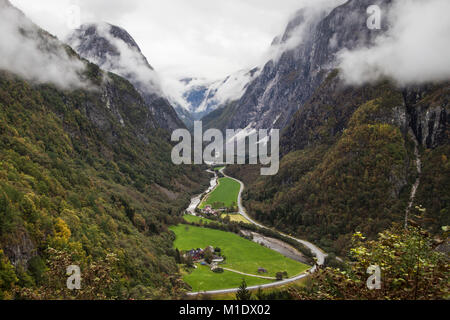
(198,38)
(301,24)
(125,60)
(415,50)
(218,92)
(27,52)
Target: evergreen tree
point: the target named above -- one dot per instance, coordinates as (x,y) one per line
(243,293)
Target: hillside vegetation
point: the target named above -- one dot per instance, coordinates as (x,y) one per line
(78,185)
(348,165)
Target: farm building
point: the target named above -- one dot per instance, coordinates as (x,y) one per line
(262,270)
(217,259)
(195,254)
(199,254)
(209,210)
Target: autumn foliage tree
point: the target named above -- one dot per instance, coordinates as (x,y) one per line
(411,269)
(97,279)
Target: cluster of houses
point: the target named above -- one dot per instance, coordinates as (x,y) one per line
(208,210)
(198,255)
(195,254)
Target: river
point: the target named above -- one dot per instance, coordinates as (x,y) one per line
(195,201)
(278,246)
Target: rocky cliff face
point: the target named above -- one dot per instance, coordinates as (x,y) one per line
(20,249)
(429,117)
(349,163)
(114,50)
(349,160)
(308,48)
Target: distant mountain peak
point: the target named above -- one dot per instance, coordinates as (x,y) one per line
(301,58)
(199,97)
(114,49)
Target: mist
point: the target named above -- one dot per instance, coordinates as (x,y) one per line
(30,53)
(126,61)
(415,49)
(309,13)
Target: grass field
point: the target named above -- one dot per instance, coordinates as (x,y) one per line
(226,192)
(235,217)
(190,218)
(218,168)
(242,255)
(203,279)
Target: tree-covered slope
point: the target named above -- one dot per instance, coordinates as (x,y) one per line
(86,179)
(67,164)
(348,164)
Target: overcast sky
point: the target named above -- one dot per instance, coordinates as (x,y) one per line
(200,38)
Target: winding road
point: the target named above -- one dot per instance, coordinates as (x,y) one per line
(320,255)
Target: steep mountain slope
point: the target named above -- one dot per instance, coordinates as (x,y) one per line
(85,175)
(349,162)
(306,54)
(114,50)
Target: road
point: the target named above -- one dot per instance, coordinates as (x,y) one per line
(263,286)
(320,255)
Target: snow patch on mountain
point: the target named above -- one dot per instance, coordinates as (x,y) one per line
(200,96)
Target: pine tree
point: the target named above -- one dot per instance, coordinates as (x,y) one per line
(243,293)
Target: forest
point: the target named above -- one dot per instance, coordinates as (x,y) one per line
(78,187)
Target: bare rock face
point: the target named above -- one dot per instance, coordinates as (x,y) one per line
(114,50)
(287,82)
(20,250)
(283,94)
(429,117)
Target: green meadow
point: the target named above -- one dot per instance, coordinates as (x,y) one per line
(203,279)
(191,219)
(226,192)
(241,254)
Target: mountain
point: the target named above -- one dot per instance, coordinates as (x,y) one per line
(114,50)
(196,98)
(354,157)
(303,56)
(86,176)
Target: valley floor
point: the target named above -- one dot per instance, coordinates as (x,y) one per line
(244,258)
